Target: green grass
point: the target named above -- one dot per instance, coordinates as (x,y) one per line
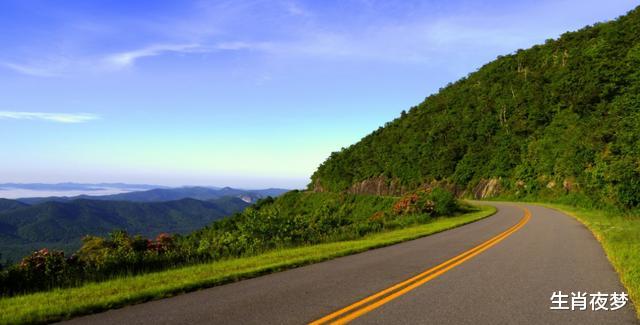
(61,304)
(619,235)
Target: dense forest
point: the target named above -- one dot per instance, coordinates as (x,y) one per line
(60,225)
(558,119)
(296,218)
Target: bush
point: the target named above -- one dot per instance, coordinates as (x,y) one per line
(435,202)
(297,218)
(45,268)
(444,202)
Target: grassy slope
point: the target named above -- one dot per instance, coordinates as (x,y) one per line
(620,238)
(64,303)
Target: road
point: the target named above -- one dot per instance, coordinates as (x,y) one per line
(500,270)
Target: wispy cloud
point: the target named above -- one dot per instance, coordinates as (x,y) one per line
(30,70)
(414,33)
(128,58)
(53,117)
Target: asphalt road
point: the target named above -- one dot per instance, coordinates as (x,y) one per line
(509,280)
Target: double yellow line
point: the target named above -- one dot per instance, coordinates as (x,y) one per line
(374,301)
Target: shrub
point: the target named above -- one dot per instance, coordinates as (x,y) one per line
(298,218)
(436,202)
(407,204)
(163,243)
(444,202)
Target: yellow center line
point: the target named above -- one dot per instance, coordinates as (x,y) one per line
(351,312)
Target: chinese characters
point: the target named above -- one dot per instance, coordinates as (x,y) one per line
(583,301)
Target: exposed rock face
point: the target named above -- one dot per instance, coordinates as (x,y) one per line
(383,186)
(378,186)
(487,188)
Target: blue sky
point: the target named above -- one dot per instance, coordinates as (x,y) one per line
(241,93)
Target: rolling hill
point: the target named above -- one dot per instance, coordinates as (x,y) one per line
(9,205)
(62,224)
(560,119)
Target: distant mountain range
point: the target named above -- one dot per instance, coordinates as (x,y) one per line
(61,225)
(60,222)
(168,194)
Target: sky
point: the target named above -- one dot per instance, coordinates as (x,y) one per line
(249,94)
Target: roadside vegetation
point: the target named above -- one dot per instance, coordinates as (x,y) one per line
(295,219)
(43,307)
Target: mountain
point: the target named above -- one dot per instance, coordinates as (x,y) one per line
(9,205)
(170,194)
(231,204)
(558,119)
(62,224)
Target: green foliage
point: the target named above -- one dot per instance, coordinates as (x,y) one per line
(566,112)
(98,259)
(61,225)
(45,268)
(294,219)
(444,202)
(46,307)
(435,202)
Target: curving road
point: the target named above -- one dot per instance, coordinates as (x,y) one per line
(500,270)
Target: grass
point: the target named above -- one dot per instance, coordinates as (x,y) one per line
(62,304)
(619,235)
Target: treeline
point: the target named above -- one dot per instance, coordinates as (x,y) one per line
(559,118)
(296,218)
(61,224)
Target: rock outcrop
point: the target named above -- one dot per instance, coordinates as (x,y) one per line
(378,186)
(487,188)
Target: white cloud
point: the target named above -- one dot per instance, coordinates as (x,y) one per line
(53,117)
(129,58)
(125,59)
(30,70)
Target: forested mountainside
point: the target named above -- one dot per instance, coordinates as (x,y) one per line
(9,205)
(62,225)
(558,118)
